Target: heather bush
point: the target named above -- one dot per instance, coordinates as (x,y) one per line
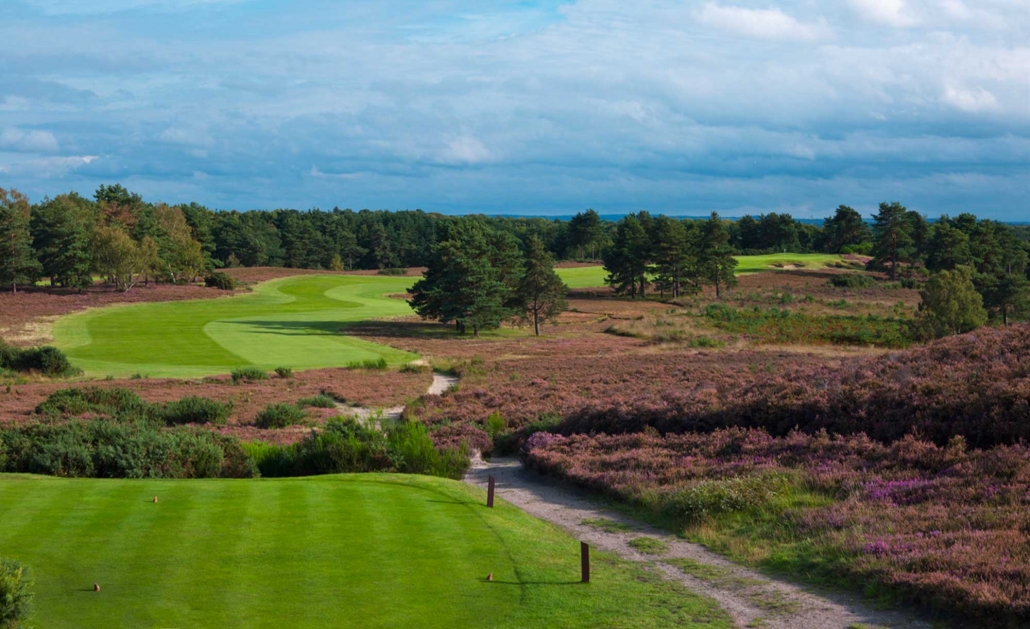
(939,525)
(247,374)
(196,410)
(15,594)
(280,415)
(284,372)
(780,325)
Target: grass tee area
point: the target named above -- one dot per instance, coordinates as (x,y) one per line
(368,550)
(292,322)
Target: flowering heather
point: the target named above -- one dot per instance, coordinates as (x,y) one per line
(976,385)
(943,526)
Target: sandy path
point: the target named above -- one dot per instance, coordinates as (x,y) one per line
(441,382)
(751,598)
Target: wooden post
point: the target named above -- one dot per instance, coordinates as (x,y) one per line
(490,492)
(584,558)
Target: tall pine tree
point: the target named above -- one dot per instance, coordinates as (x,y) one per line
(18,264)
(628,259)
(892,238)
(541,292)
(715,255)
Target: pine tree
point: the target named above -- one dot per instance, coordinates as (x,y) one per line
(715,255)
(460,284)
(541,292)
(845,228)
(892,237)
(18,264)
(627,260)
(61,238)
(674,257)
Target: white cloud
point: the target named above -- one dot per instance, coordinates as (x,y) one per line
(891,12)
(47,167)
(970,101)
(761,23)
(14,139)
(466,150)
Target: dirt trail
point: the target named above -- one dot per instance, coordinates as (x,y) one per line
(441,382)
(751,598)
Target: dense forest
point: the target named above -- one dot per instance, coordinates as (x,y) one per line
(124,239)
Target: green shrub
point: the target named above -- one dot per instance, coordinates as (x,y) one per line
(102,448)
(248,374)
(414,453)
(852,280)
(271,460)
(15,594)
(392,271)
(284,372)
(495,424)
(45,359)
(378,364)
(280,415)
(221,281)
(415,368)
(196,410)
(114,401)
(711,498)
(318,401)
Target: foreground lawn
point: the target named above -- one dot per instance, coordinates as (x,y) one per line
(291,322)
(340,551)
(593,276)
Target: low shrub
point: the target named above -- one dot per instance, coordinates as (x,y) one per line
(45,359)
(852,280)
(378,364)
(113,402)
(248,374)
(220,281)
(280,415)
(415,368)
(284,372)
(102,448)
(318,401)
(780,325)
(196,410)
(15,594)
(346,446)
(392,271)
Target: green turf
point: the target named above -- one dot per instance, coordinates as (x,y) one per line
(339,551)
(593,276)
(291,322)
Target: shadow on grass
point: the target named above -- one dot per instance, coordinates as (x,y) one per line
(495,582)
(408,330)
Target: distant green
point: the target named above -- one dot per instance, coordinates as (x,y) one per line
(290,322)
(338,551)
(593,276)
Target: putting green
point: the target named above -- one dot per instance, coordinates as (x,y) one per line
(365,550)
(290,322)
(593,276)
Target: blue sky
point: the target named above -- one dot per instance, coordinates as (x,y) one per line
(523,107)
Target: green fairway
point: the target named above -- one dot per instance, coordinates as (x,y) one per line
(340,551)
(593,276)
(292,322)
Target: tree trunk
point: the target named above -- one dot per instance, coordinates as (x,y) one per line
(536,322)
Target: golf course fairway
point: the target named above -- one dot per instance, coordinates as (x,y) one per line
(289,322)
(369,550)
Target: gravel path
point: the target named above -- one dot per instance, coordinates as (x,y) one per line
(441,382)
(751,598)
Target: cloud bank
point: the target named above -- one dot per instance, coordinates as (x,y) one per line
(538,107)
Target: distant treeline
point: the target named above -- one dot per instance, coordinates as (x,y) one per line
(117,235)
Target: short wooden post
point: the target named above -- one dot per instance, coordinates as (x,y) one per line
(490,492)
(584,558)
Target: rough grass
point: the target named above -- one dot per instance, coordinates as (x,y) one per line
(344,551)
(292,322)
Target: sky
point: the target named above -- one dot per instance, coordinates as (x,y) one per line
(523,107)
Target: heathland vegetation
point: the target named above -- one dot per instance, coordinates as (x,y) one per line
(776,390)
